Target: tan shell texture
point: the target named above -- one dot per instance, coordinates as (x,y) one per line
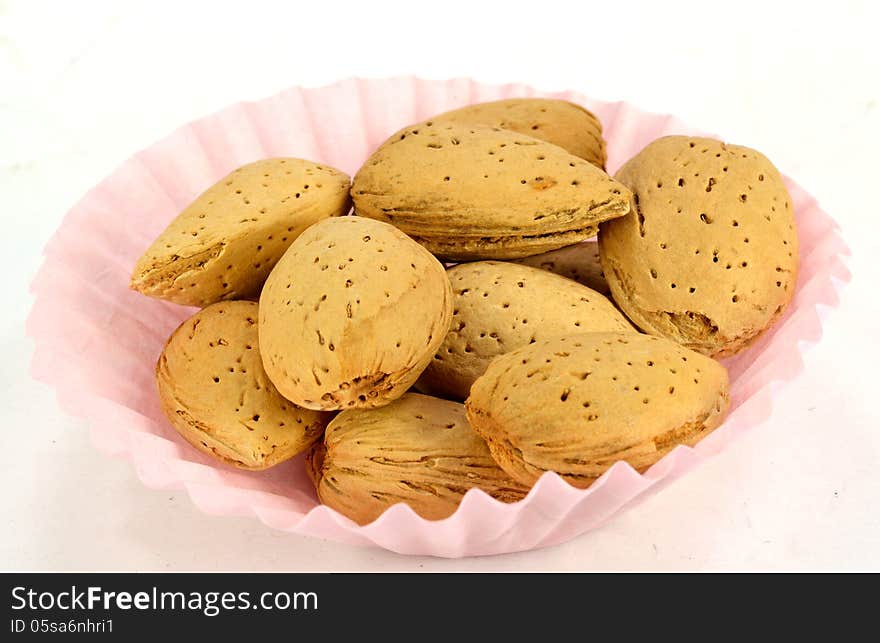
(314,461)
(578,404)
(499,307)
(572,127)
(579,262)
(475,192)
(352,314)
(224,244)
(709,256)
(419,450)
(216,394)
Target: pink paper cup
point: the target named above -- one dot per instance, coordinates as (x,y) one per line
(97,342)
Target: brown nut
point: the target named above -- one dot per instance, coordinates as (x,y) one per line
(499,307)
(225,243)
(579,262)
(352,314)
(560,122)
(578,404)
(215,392)
(709,256)
(419,450)
(475,192)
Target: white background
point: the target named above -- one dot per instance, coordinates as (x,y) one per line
(83,85)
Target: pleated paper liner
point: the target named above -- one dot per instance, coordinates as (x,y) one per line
(97,342)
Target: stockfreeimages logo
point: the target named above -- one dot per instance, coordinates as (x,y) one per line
(207,603)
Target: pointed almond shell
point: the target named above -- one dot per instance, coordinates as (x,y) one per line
(578,404)
(216,394)
(225,243)
(470,192)
(419,450)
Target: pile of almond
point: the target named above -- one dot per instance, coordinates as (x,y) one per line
(318,326)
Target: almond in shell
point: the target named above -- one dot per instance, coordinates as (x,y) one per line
(499,307)
(709,256)
(578,404)
(225,243)
(560,122)
(476,192)
(352,314)
(579,262)
(418,450)
(216,394)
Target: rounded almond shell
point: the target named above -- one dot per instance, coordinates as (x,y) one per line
(709,255)
(352,314)
(568,125)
